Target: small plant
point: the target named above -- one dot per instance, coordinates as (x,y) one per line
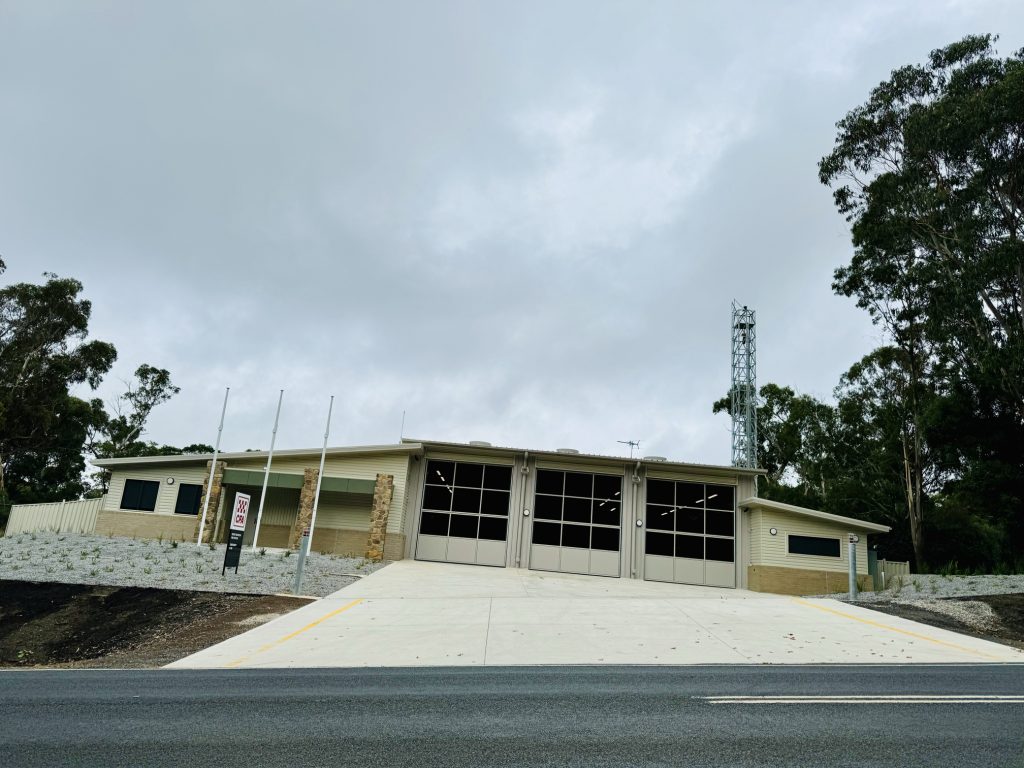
(287,553)
(199,567)
(212,546)
(93,572)
(160,538)
(148,569)
(174,543)
(69,565)
(25,655)
(263,551)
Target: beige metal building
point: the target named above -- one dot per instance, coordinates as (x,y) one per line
(502,507)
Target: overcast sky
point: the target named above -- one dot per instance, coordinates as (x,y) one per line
(520,222)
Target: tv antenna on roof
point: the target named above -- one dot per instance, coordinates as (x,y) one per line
(631,443)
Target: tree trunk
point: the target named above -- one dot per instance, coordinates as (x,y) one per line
(912,485)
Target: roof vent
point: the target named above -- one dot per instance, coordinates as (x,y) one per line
(480,443)
(655,458)
(566,450)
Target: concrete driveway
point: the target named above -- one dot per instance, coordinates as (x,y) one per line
(432,614)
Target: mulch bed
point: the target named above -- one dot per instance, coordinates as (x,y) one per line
(1009,609)
(78,625)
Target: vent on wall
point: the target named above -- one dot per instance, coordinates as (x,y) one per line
(566,450)
(480,443)
(655,458)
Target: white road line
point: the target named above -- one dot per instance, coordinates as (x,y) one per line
(869,699)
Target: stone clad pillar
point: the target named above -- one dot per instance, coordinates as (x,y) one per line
(305,514)
(211,511)
(382,493)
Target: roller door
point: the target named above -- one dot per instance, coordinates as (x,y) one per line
(464,515)
(690,533)
(577,523)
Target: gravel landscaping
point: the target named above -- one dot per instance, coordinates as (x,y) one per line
(86,559)
(930,587)
(990,607)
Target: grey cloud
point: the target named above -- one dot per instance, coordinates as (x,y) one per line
(521,223)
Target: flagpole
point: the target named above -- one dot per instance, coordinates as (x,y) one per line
(319,476)
(266,473)
(213,468)
(306,542)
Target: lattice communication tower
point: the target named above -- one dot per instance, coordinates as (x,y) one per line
(743,395)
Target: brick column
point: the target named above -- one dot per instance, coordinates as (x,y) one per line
(305,514)
(211,511)
(382,493)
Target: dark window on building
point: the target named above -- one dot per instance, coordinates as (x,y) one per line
(464,526)
(584,502)
(480,492)
(547,533)
(690,546)
(659,544)
(189,497)
(140,495)
(813,545)
(434,524)
(695,511)
(493,528)
(719,549)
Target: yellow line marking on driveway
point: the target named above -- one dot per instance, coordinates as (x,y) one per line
(297,632)
(894,629)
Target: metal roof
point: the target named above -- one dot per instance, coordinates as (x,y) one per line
(778,506)
(203,458)
(583,457)
(410,446)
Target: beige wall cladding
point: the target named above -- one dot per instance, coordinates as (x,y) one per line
(801,581)
(773,550)
(340,541)
(274,536)
(379,517)
(344,510)
(365,467)
(145,525)
(166,497)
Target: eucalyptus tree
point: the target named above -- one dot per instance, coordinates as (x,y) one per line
(929,172)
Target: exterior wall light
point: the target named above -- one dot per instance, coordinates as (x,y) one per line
(773,531)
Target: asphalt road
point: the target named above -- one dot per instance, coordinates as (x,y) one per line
(550,716)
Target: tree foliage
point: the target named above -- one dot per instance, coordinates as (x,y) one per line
(46,430)
(44,353)
(927,432)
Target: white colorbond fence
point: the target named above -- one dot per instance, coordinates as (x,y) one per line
(893,569)
(57,516)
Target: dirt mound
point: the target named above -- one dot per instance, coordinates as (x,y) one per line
(86,625)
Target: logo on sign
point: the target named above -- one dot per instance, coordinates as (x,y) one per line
(240,512)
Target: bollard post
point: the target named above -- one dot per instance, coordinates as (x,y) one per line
(853,565)
(303,548)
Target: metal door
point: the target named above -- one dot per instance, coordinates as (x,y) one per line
(577,523)
(690,533)
(464,515)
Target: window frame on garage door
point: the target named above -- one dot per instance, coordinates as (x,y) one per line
(546,555)
(694,525)
(464,490)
